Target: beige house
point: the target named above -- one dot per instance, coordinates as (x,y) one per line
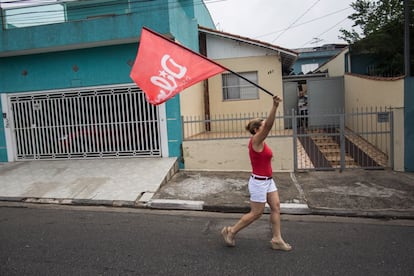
(335,66)
(228,95)
(363,91)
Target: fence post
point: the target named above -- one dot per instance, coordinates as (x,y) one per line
(391,155)
(295,140)
(342,139)
(182,128)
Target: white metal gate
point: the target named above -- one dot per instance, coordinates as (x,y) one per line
(84,123)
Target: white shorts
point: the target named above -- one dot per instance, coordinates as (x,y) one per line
(259,189)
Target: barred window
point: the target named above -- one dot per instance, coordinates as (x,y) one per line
(236,88)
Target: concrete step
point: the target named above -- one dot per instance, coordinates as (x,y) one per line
(328,146)
(322,140)
(331,150)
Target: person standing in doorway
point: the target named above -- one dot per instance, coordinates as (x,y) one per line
(303,109)
(262,187)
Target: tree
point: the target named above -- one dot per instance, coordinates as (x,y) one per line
(372,17)
(382,34)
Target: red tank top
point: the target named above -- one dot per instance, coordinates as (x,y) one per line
(261,161)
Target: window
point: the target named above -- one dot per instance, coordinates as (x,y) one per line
(236,88)
(26,16)
(306,68)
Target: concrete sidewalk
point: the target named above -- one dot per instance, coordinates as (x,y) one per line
(372,193)
(113,182)
(155,183)
(362,193)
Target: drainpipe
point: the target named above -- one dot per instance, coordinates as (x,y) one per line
(202,41)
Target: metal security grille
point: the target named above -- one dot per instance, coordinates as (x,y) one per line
(360,139)
(88,123)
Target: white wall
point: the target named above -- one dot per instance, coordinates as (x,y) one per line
(223,48)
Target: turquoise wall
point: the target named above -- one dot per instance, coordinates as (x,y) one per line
(72,54)
(361,62)
(409,124)
(84,33)
(203,15)
(318,56)
(179,17)
(66,69)
(81,10)
(297,66)
(79,68)
(184,17)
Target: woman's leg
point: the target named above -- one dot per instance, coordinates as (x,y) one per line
(256,211)
(277,240)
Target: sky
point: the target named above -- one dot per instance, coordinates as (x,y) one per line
(286,23)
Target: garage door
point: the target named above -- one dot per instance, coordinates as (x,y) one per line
(84,123)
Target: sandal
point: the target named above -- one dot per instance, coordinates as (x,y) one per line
(226,236)
(280,246)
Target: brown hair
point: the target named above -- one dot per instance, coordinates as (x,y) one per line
(253,125)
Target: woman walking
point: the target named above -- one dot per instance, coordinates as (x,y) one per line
(262,187)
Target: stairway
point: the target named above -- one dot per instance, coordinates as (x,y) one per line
(370,153)
(320,149)
(331,149)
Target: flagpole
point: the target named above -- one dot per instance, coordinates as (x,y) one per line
(249,81)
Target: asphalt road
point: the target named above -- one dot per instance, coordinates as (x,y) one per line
(64,240)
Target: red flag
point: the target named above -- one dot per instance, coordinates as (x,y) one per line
(164,68)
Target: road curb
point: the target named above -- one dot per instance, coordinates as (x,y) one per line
(177,204)
(294,209)
(68,201)
(379,213)
(12,198)
(285,208)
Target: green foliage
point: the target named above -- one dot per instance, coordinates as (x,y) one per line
(382,34)
(372,17)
